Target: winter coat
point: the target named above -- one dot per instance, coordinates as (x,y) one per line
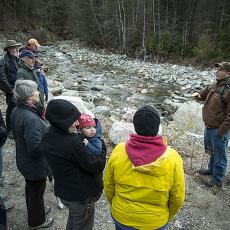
(216,110)
(8,73)
(76,171)
(144,186)
(28,128)
(3,132)
(95,143)
(43,83)
(25,73)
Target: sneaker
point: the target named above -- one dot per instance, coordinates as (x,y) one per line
(212,183)
(48,222)
(205,172)
(47,210)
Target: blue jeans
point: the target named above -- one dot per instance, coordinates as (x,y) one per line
(120,226)
(217,146)
(1,163)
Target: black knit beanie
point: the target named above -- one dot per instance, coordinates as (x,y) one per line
(61,113)
(146,121)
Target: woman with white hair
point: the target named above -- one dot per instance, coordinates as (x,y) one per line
(28,127)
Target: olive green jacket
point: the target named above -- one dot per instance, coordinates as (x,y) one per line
(25,73)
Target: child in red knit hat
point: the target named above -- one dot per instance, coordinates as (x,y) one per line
(90,128)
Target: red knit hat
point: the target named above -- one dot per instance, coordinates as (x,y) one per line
(86,120)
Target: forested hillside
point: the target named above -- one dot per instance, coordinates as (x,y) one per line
(160,29)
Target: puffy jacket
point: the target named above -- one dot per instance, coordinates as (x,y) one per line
(216,111)
(147,196)
(28,128)
(8,73)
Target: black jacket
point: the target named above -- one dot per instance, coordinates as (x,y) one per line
(28,128)
(76,171)
(3,132)
(8,73)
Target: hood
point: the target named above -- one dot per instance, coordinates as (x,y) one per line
(147,153)
(61,113)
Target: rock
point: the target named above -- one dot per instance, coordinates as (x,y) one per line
(78,102)
(188,118)
(102,110)
(120,131)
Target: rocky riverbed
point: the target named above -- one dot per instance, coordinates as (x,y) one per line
(113,86)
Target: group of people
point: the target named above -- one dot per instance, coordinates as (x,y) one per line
(143,178)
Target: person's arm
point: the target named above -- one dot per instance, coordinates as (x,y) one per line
(225,125)
(109,183)
(177,193)
(4,83)
(45,86)
(201,95)
(3,132)
(91,163)
(33,132)
(95,145)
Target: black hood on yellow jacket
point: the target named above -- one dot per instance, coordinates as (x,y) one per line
(61,113)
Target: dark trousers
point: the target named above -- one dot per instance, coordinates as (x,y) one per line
(34,192)
(10,107)
(81,214)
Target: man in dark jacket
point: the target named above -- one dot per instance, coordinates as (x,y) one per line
(27,71)
(76,171)
(8,73)
(216,116)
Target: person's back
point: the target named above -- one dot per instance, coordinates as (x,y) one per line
(144,178)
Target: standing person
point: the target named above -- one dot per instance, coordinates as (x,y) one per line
(216,116)
(74,168)
(8,76)
(42,80)
(27,71)
(144,178)
(32,45)
(90,128)
(28,126)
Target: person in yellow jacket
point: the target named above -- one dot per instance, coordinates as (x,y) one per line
(144,178)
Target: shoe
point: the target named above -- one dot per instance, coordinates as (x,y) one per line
(10,135)
(48,222)
(212,183)
(47,210)
(205,172)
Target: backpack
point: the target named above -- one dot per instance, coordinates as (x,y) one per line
(221,93)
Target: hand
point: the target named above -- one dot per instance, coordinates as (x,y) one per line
(85,141)
(46,98)
(195,94)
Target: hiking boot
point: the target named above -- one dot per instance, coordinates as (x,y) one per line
(212,183)
(48,222)
(205,172)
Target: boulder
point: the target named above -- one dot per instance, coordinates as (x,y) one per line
(78,102)
(188,118)
(120,131)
